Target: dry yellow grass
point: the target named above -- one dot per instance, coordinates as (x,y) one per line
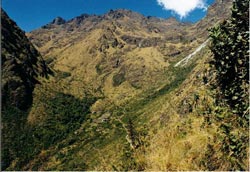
(172,149)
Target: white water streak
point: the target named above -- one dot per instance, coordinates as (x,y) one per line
(186,59)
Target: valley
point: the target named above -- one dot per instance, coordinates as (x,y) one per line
(119,92)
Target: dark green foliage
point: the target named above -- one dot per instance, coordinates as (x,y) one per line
(98,68)
(234,145)
(49,60)
(128,159)
(11,138)
(179,76)
(21,66)
(230,45)
(63,75)
(64,114)
(118,79)
(233,142)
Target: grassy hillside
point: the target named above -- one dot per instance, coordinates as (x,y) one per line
(125,136)
(157,130)
(117,102)
(81,142)
(120,54)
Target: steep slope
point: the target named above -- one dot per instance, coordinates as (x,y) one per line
(216,97)
(114,55)
(116,101)
(21,68)
(119,53)
(21,65)
(218,11)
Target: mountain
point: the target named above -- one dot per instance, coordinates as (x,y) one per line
(119,52)
(22,64)
(118,101)
(22,68)
(218,11)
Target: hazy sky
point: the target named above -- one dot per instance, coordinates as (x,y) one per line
(32,14)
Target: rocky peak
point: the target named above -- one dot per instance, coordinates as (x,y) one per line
(115,14)
(79,19)
(58,21)
(120,13)
(83,16)
(152,18)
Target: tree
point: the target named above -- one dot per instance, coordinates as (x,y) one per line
(230,45)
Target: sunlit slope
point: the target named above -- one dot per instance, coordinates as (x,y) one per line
(120,55)
(117,101)
(102,138)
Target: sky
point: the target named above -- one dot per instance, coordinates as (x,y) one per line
(32,14)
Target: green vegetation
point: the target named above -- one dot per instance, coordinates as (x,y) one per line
(118,79)
(230,45)
(60,121)
(13,139)
(176,78)
(49,60)
(25,141)
(98,68)
(62,75)
(149,114)
(179,76)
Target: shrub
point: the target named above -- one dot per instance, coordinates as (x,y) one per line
(230,45)
(118,79)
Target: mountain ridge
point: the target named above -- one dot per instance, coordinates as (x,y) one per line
(117,102)
(111,14)
(121,44)
(121,12)
(22,64)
